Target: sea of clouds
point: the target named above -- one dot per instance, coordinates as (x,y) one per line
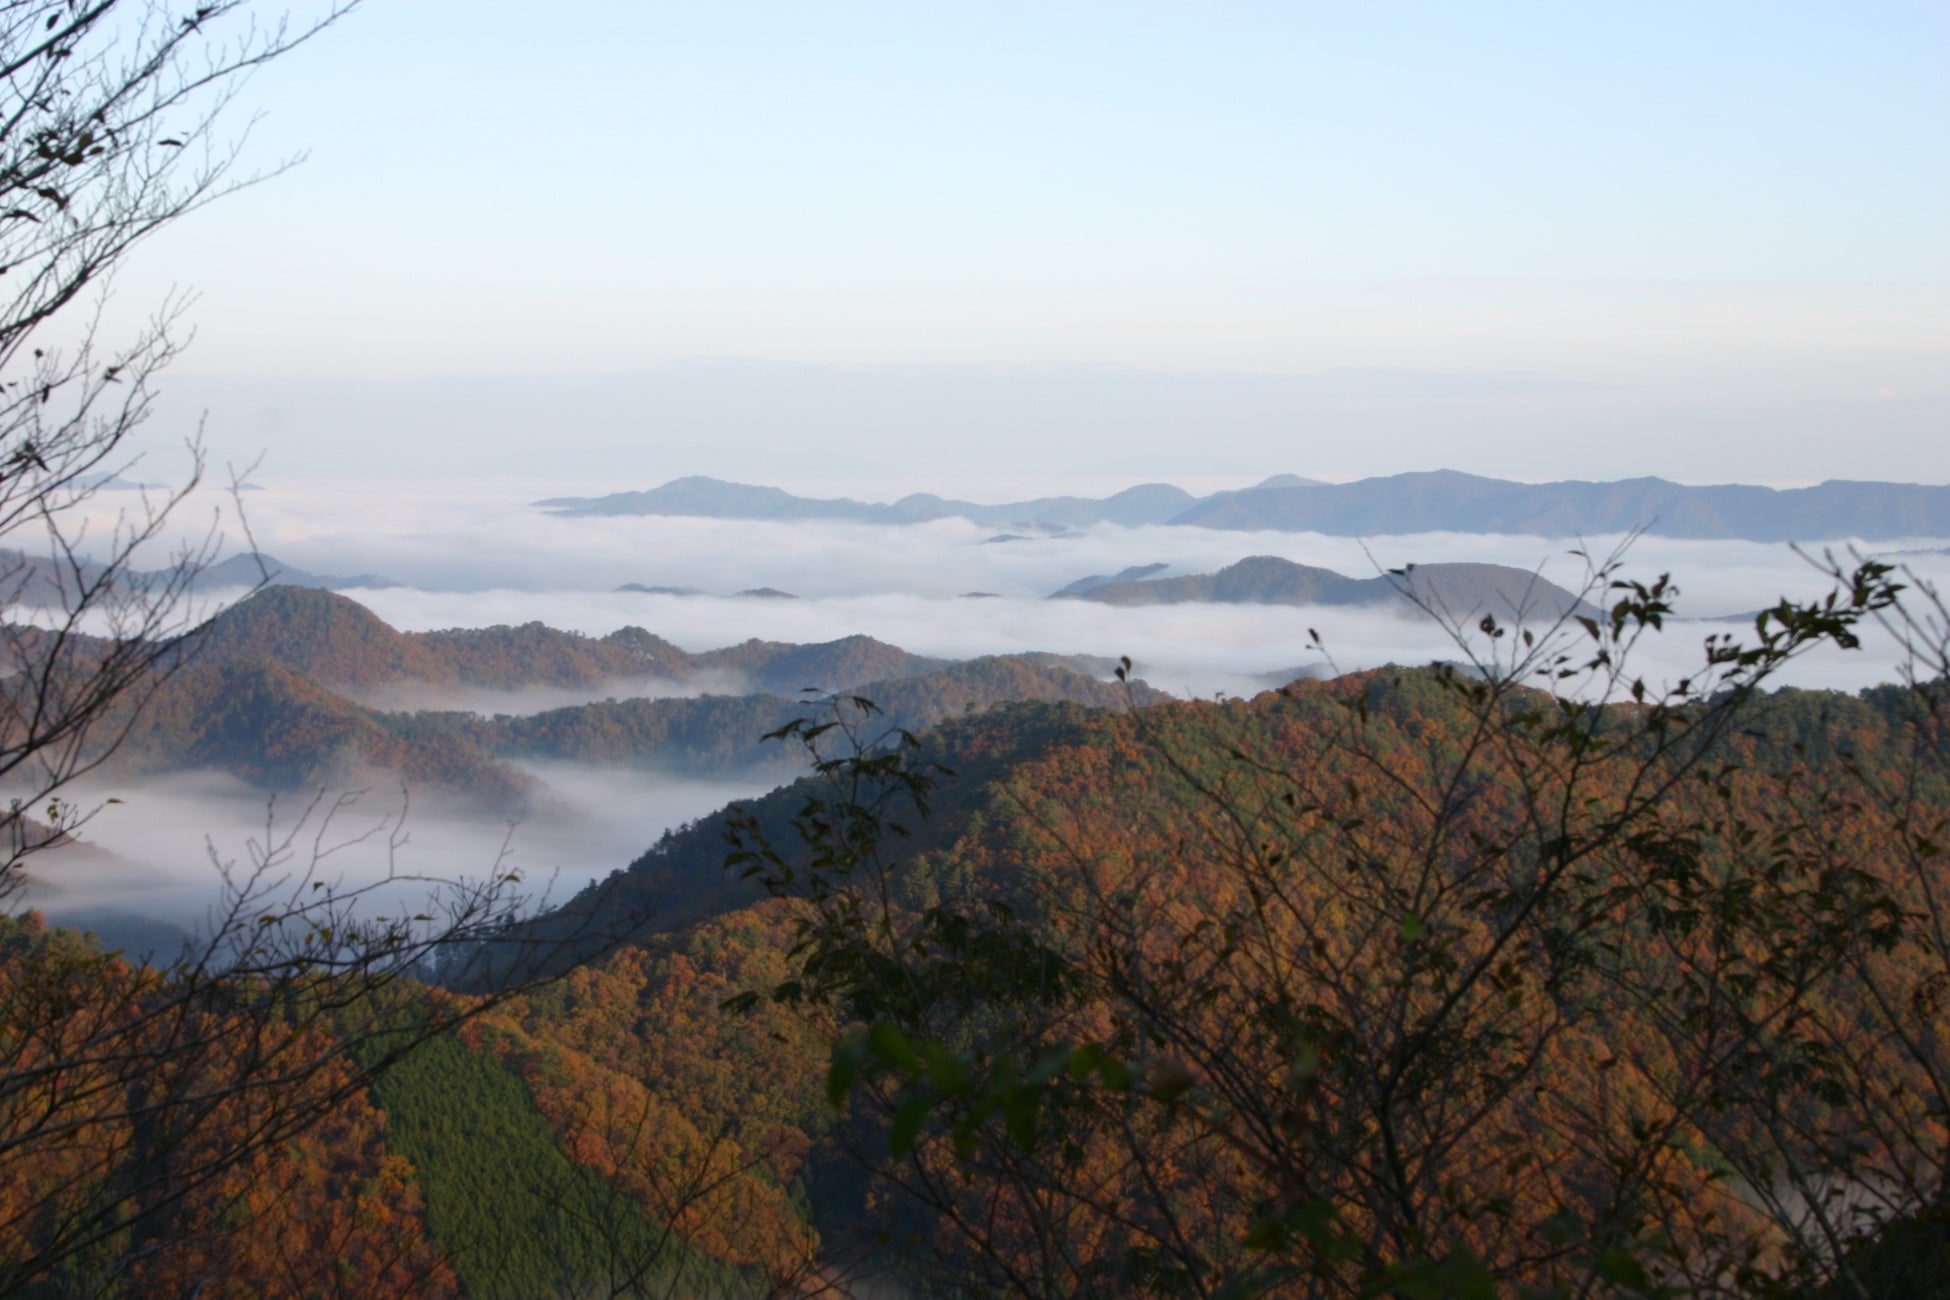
(148,868)
(473,553)
(479,553)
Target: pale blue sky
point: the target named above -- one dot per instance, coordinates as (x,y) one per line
(1723,220)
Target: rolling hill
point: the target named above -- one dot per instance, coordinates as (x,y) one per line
(341,643)
(1184,870)
(1452,591)
(260,699)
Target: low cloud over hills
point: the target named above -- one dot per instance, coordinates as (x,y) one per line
(263,699)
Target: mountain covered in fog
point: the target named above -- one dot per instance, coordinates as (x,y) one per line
(1438,501)
(42,581)
(266,696)
(1457,591)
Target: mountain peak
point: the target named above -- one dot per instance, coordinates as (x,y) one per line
(319,633)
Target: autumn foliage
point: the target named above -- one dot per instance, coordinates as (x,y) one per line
(174,1145)
(1429,981)
(1419,981)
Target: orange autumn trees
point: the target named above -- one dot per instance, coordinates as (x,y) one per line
(157,1143)
(328,1213)
(1437,981)
(706,1125)
(143,1108)
(161,1117)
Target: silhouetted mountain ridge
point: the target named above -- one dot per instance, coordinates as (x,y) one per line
(1459,590)
(1419,502)
(342,644)
(1147,503)
(1448,501)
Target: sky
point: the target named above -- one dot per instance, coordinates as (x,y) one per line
(783,240)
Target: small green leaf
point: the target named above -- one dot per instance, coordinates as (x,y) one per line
(892,1047)
(1020,1110)
(908,1118)
(842,1074)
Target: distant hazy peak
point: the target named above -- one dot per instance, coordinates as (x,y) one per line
(1146,503)
(1450,590)
(1135,573)
(1452,501)
(1416,502)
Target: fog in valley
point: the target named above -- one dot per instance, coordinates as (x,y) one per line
(413,697)
(473,554)
(148,868)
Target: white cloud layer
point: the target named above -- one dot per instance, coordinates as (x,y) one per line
(162,841)
(478,554)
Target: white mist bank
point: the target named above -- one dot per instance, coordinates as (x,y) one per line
(486,535)
(479,558)
(478,553)
(413,696)
(154,856)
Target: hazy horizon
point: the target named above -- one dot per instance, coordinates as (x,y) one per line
(1531,242)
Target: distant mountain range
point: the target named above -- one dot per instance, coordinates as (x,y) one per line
(1438,501)
(1455,591)
(1149,503)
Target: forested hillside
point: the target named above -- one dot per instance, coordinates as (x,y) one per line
(341,644)
(1151,887)
(259,697)
(1254,907)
